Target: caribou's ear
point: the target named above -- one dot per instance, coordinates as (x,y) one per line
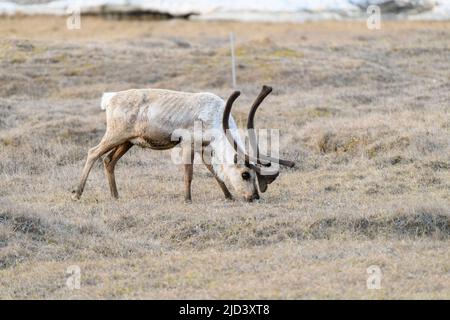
(265,180)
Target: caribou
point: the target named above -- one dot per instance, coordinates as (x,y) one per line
(149,118)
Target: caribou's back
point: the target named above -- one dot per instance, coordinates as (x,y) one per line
(151,116)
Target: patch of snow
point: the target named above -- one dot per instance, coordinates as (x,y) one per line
(266,10)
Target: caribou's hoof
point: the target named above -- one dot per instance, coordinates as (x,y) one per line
(188,201)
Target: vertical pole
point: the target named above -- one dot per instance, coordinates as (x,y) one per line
(233,60)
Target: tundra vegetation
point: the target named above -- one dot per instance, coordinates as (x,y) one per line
(364,114)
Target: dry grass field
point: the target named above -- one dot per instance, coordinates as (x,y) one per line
(365,114)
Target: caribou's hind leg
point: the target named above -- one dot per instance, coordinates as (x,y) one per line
(96,152)
(110,162)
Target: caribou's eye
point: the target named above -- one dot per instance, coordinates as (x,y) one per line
(245,175)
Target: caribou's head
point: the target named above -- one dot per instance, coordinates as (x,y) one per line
(247,171)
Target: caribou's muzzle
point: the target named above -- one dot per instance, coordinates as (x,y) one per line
(250,198)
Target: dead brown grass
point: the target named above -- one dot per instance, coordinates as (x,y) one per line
(365,115)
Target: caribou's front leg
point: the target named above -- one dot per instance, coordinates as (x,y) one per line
(222,185)
(207,163)
(188,163)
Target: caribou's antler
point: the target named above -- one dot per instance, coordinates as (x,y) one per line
(251,125)
(265,91)
(263,179)
(226,129)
